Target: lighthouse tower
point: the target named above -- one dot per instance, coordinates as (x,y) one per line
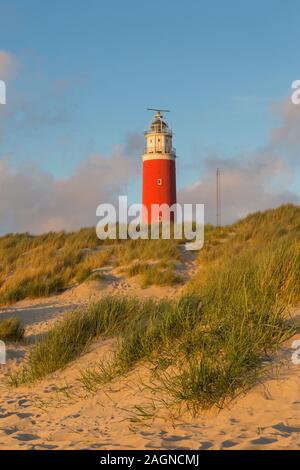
(159,172)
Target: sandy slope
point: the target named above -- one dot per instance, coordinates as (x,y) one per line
(57,413)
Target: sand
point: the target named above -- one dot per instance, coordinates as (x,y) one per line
(57,413)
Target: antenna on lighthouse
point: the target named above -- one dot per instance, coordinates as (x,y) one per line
(218,197)
(159,110)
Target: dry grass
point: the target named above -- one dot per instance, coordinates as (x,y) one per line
(36,266)
(209,345)
(10,329)
(144,250)
(158,274)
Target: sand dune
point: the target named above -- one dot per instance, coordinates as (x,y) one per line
(57,413)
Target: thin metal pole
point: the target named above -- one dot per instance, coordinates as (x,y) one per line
(218,197)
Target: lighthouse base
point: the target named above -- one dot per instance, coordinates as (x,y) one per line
(159,190)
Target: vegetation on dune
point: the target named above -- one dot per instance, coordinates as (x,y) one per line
(37,266)
(71,336)
(10,329)
(151,260)
(159,274)
(253,234)
(209,345)
(143,250)
(244,318)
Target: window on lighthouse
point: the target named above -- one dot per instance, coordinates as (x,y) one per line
(159,181)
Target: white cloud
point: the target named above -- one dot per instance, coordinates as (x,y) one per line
(33,200)
(257,181)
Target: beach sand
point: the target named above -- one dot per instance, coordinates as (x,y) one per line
(57,413)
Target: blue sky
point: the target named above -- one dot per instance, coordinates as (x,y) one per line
(87,70)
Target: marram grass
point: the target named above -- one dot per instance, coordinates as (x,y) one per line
(37,266)
(210,344)
(10,329)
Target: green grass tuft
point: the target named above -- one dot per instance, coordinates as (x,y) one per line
(158,274)
(209,345)
(10,329)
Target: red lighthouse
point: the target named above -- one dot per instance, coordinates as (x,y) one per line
(159,172)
